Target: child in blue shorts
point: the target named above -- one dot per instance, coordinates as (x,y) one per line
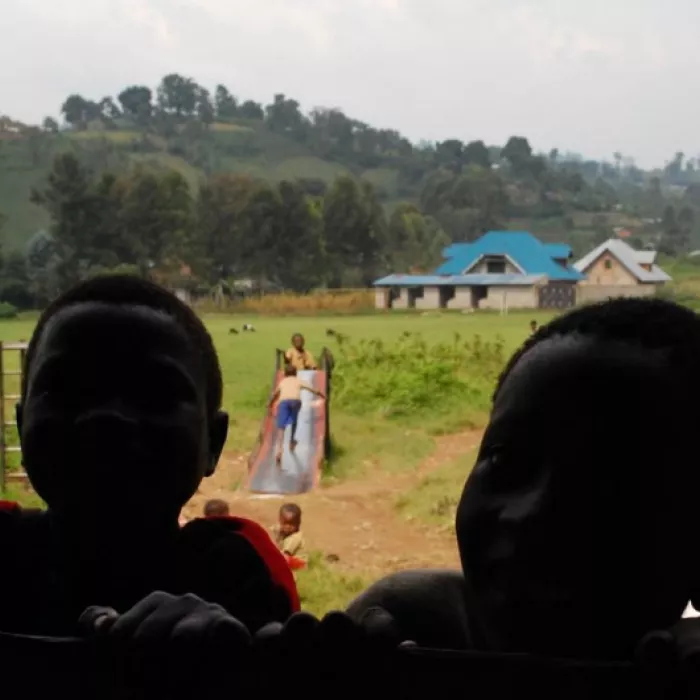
(288,393)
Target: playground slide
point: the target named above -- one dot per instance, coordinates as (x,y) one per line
(300,470)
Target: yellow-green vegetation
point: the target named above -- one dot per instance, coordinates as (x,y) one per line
(322,587)
(119,137)
(434,500)
(333,301)
(247,361)
(400,379)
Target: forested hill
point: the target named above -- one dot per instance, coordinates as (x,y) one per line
(461,189)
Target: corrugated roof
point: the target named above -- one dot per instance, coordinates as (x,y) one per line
(627,257)
(457,280)
(645,257)
(533,256)
(559,251)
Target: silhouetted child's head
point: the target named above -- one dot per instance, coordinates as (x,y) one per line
(290,519)
(290,370)
(298,341)
(575,523)
(120,408)
(216,508)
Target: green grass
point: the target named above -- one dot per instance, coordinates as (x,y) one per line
(323,588)
(308,167)
(363,442)
(121,137)
(434,500)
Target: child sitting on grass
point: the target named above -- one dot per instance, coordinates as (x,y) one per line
(216,508)
(288,535)
(288,393)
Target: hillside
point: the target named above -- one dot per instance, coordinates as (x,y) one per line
(234,148)
(463,188)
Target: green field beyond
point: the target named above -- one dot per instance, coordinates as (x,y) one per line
(401,381)
(247,361)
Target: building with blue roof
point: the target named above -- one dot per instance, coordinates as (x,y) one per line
(500,270)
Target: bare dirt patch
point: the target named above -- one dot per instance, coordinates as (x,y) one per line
(355,520)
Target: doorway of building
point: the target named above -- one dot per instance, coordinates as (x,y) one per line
(447,293)
(478,294)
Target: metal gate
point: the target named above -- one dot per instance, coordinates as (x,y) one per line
(11,368)
(557,296)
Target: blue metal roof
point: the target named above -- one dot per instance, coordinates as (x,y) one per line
(457,280)
(533,256)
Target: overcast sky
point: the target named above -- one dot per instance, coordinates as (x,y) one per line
(592,76)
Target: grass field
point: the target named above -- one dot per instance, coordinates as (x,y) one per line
(247,361)
(369,444)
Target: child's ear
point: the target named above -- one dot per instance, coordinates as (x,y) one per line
(218,432)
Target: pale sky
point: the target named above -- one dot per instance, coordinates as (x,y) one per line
(592,76)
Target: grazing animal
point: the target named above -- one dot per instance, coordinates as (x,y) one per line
(249,327)
(233,331)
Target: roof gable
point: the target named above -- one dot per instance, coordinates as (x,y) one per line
(528,253)
(629,258)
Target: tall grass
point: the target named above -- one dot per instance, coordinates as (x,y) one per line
(413,377)
(329,302)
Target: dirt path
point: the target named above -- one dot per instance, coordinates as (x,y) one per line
(355,520)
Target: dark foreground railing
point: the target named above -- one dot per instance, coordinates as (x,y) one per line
(45,668)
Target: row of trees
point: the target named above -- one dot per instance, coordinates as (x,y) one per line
(152,223)
(180,101)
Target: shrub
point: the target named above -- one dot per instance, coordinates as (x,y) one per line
(412,377)
(336,301)
(7,310)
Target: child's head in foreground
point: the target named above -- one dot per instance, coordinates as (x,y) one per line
(289,519)
(216,508)
(290,370)
(575,524)
(120,401)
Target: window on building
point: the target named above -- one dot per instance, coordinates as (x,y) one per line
(608,264)
(496,266)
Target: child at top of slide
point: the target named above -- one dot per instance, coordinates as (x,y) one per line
(288,393)
(298,356)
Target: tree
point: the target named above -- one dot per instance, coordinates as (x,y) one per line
(156,217)
(50,125)
(14,281)
(177,95)
(205,108)
(225,104)
(415,243)
(77,111)
(68,197)
(450,154)
(355,232)
(222,201)
(251,110)
(300,247)
(108,109)
(283,115)
(518,154)
(136,101)
(476,153)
